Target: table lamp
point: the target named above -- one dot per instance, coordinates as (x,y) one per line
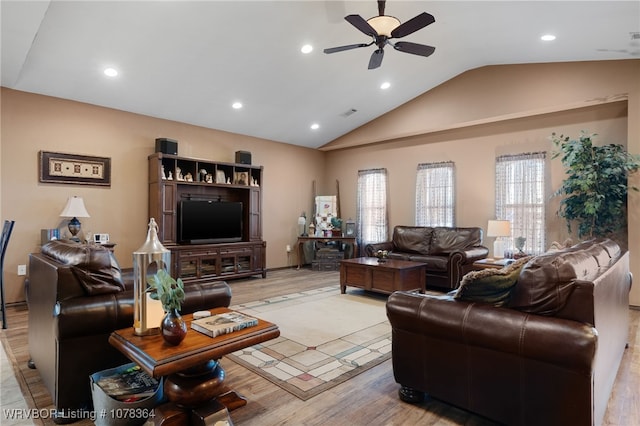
(499,229)
(74,209)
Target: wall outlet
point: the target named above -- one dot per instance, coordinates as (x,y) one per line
(288,248)
(22,269)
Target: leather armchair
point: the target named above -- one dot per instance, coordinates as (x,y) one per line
(77,295)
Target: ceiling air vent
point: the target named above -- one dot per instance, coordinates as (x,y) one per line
(348,112)
(635,35)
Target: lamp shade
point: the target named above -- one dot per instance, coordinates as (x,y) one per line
(384,24)
(499,228)
(74,208)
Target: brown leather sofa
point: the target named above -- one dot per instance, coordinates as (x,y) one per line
(548,356)
(77,295)
(449,253)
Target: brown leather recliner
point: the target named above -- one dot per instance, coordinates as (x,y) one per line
(448,253)
(548,356)
(77,295)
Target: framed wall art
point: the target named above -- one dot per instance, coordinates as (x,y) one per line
(57,167)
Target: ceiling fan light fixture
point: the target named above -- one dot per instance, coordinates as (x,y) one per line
(384,24)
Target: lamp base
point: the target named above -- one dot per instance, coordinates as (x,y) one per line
(74,227)
(498,248)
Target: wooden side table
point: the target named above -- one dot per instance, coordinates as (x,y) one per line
(193,377)
(490,263)
(302,240)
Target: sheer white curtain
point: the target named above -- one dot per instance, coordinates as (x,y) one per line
(371,205)
(435,197)
(520,197)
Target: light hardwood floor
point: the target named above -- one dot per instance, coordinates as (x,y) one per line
(368,399)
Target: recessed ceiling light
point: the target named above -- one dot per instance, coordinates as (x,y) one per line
(315,126)
(236,105)
(307,48)
(548,37)
(110,72)
(385,85)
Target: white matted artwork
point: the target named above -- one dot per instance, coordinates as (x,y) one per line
(220,177)
(327,205)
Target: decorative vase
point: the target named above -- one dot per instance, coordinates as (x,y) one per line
(174,329)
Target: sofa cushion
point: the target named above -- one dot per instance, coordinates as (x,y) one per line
(434,263)
(446,240)
(546,282)
(490,285)
(94,266)
(412,239)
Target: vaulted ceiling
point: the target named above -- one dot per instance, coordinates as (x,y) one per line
(189,61)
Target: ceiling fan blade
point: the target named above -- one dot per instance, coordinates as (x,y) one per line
(376,59)
(414,48)
(412,25)
(347,47)
(360,23)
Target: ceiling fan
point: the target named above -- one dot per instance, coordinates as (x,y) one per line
(382,29)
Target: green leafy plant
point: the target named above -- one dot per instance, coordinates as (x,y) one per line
(167,290)
(596,187)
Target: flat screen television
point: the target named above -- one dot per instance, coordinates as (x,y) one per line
(206,221)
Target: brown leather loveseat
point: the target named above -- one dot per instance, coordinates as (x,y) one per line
(448,252)
(77,295)
(536,344)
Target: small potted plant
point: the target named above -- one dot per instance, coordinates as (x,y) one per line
(382,255)
(170,293)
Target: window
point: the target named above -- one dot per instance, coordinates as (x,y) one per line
(520,195)
(435,198)
(372,206)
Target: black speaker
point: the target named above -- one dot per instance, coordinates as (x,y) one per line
(167,146)
(243,157)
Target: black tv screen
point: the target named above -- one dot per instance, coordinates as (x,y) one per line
(206,221)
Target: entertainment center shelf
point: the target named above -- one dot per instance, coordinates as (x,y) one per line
(173,180)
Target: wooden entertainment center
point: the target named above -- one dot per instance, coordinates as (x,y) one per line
(173,179)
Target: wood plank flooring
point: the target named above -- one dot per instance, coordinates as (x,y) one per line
(368,399)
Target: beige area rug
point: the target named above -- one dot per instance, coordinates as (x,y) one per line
(325,338)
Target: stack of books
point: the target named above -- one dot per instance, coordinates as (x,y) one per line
(228,322)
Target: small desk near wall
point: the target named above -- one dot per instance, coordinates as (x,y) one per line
(346,240)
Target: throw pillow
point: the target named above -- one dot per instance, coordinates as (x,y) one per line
(490,285)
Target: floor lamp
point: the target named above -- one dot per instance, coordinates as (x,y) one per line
(499,229)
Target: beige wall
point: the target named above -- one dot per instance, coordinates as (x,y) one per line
(31,123)
(491,111)
(469,120)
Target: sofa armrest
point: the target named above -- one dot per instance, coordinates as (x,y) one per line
(91,315)
(371,249)
(556,341)
(470,254)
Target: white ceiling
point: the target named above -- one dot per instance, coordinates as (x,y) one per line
(188,61)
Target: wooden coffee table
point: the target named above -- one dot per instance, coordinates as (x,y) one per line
(193,376)
(382,277)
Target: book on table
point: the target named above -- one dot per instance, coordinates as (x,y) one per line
(224,323)
(129,384)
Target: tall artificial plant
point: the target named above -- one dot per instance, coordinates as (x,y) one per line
(595,189)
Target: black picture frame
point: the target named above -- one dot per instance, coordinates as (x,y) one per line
(58,167)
